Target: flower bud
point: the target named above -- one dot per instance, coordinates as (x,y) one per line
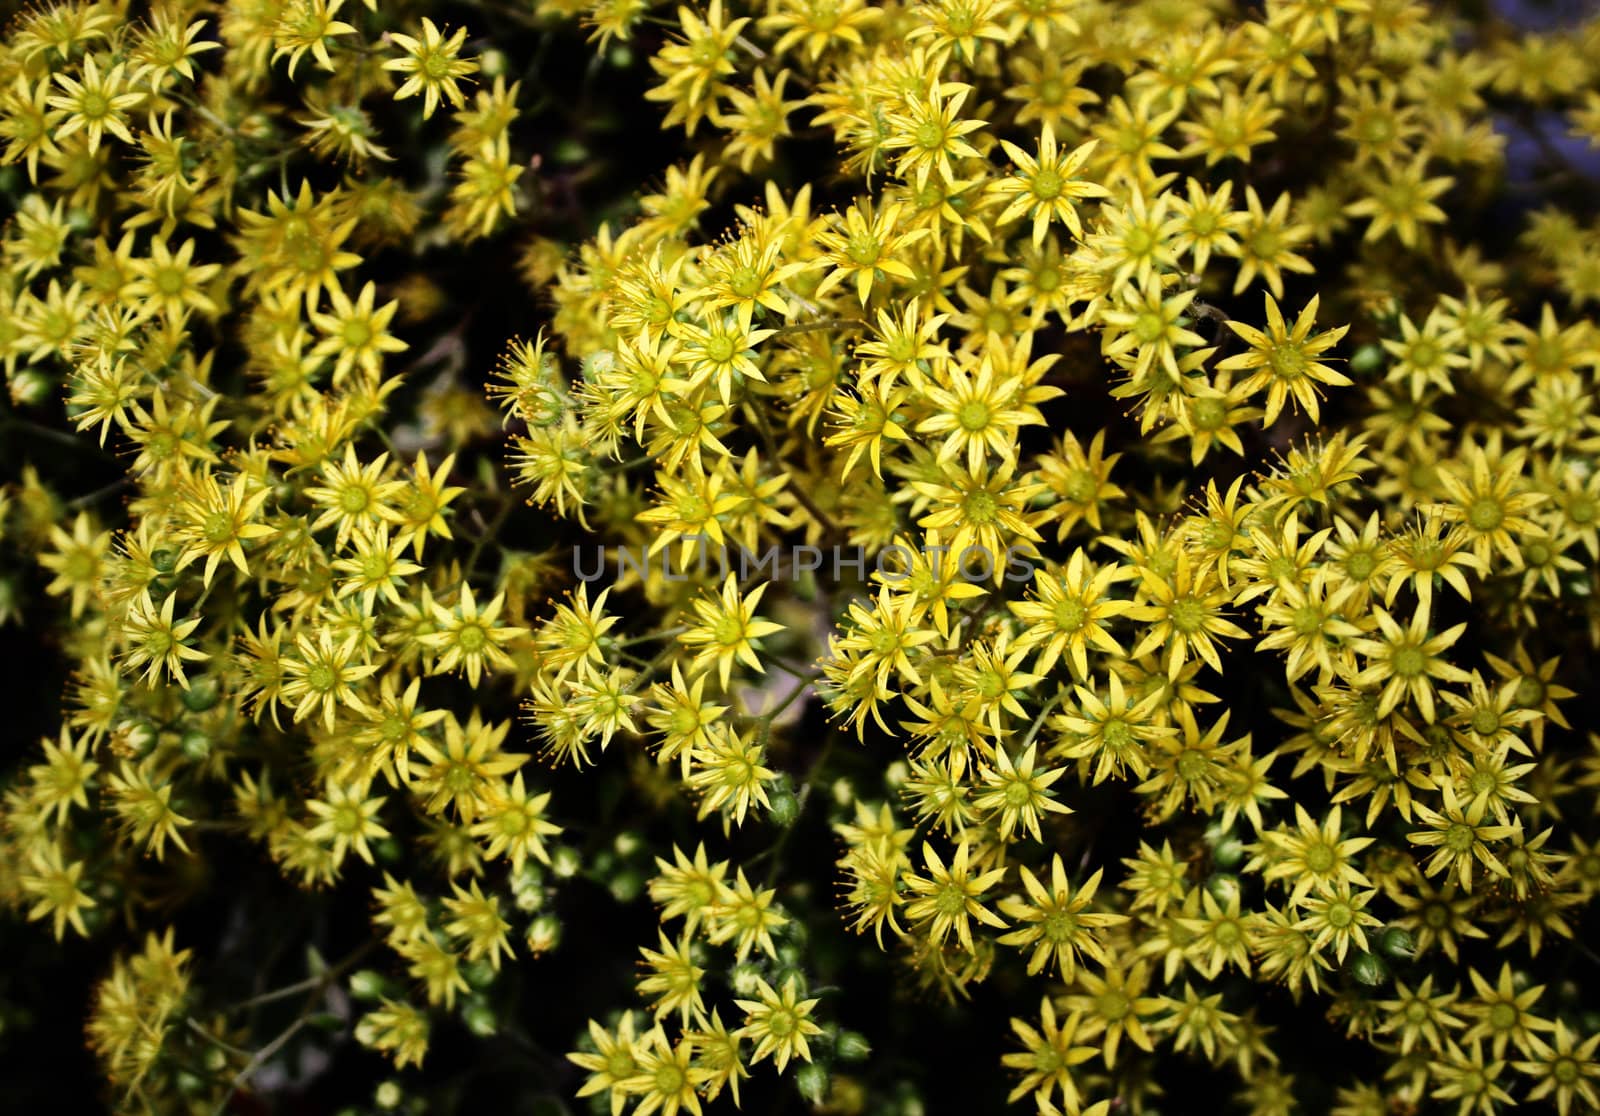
(29,388)
(626,886)
(1367,359)
(544,934)
(1369,969)
(1397,944)
(745,978)
(141,737)
(480,1018)
(565,863)
(784,809)
(853,1047)
(812,1081)
(1223,886)
(195,745)
(201,695)
(367,984)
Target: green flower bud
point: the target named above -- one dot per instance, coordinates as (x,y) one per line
(1228,853)
(366,984)
(1369,969)
(1367,359)
(141,738)
(30,388)
(544,934)
(627,885)
(745,978)
(853,1046)
(195,745)
(201,695)
(1397,944)
(565,863)
(812,1081)
(480,1018)
(1223,886)
(785,805)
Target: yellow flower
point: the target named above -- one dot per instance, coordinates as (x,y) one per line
(1066,614)
(1052,1050)
(432,66)
(53,884)
(1056,921)
(779,1023)
(77,561)
(1187,613)
(1285,360)
(980,413)
(324,675)
(1047,186)
(95,103)
(214,522)
(155,640)
(949,898)
(1406,661)
(469,637)
(865,243)
(727,629)
(354,333)
(931,132)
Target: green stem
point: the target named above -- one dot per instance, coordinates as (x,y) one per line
(1038,722)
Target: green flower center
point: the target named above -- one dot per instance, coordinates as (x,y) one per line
(1047,185)
(973,416)
(1485,514)
(1188,615)
(1409,662)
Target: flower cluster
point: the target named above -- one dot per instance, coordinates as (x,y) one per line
(1248,325)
